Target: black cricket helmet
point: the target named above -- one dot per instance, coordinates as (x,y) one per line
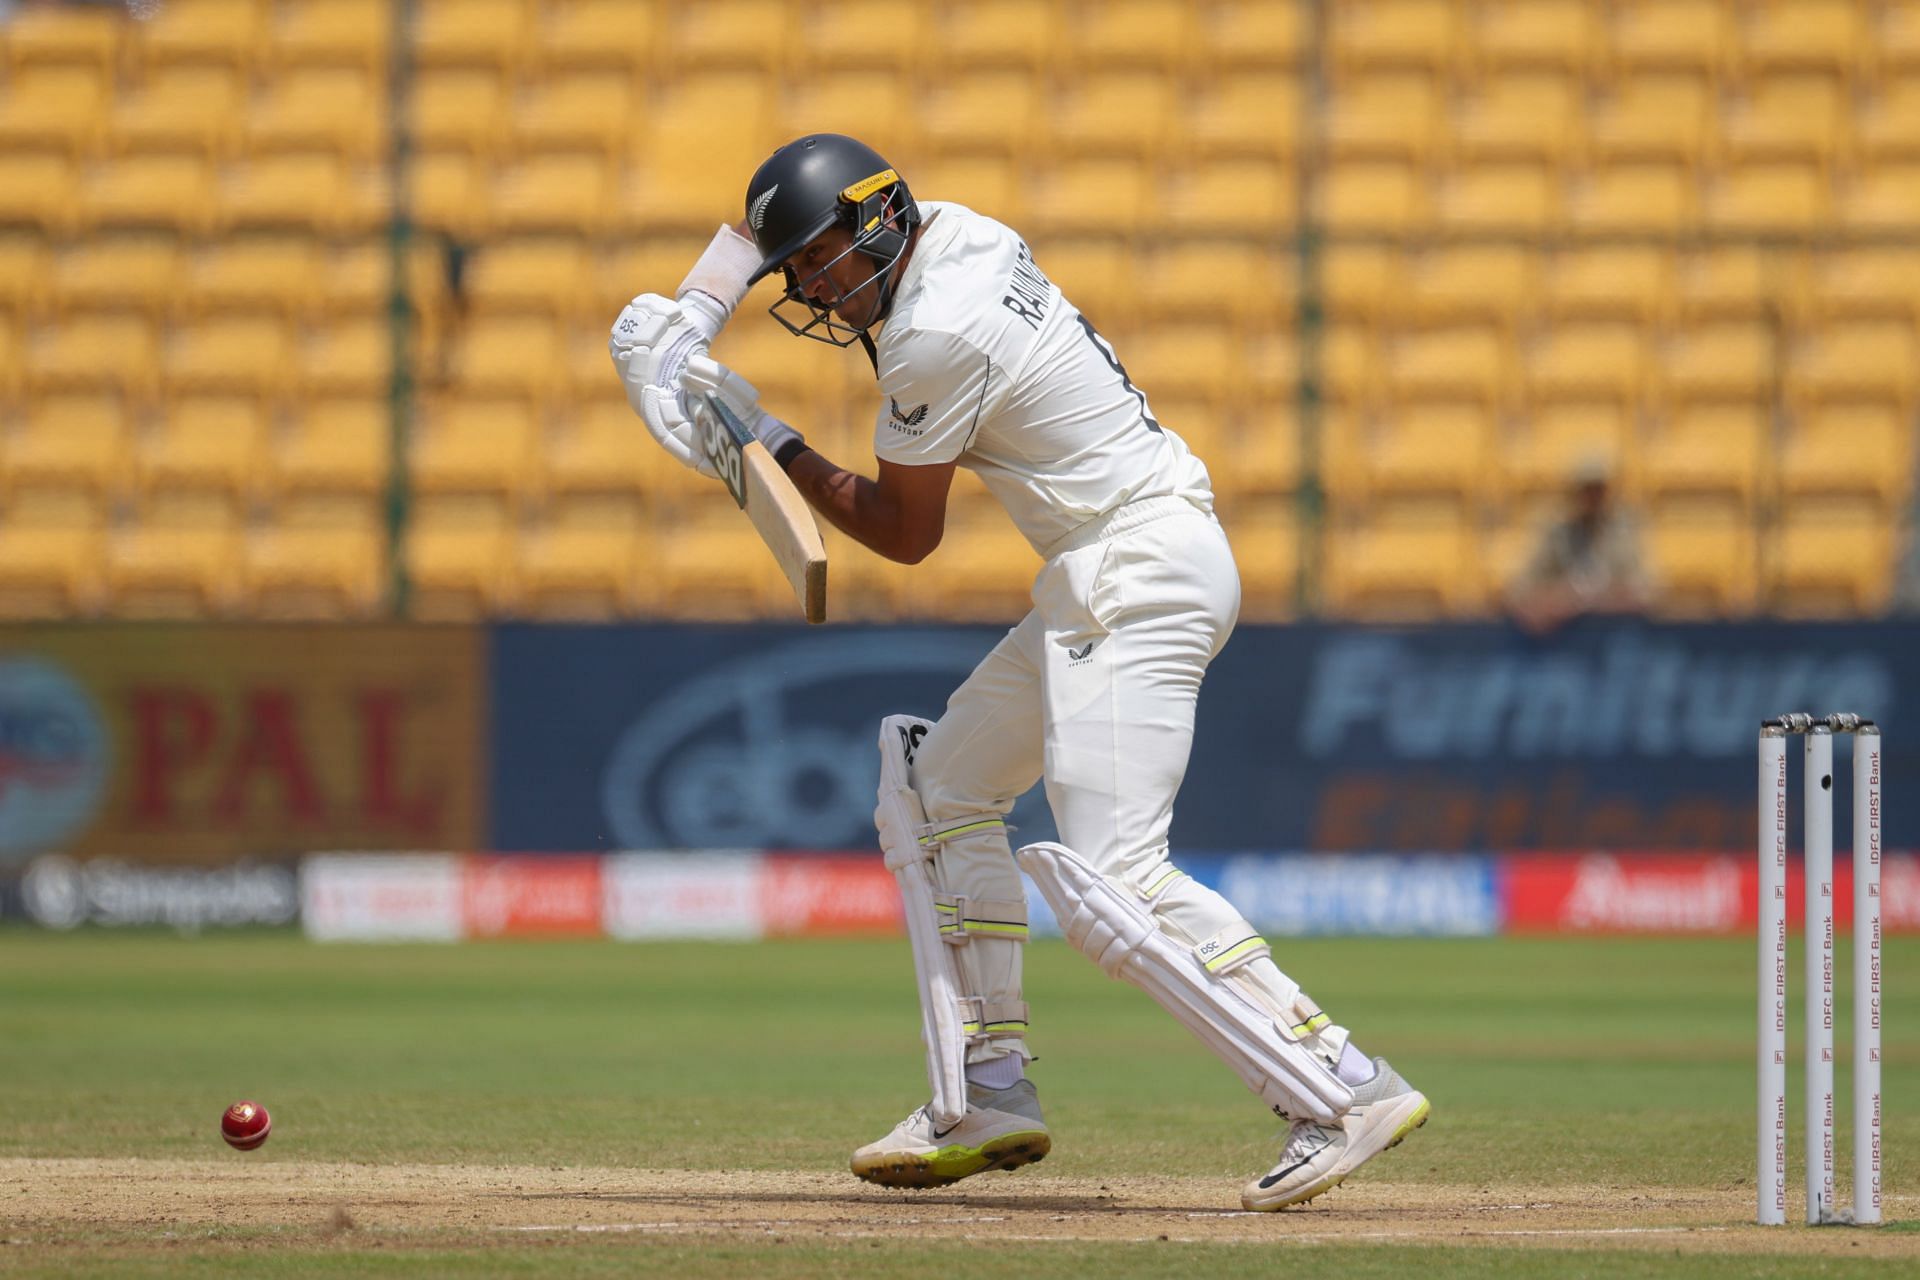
(820,181)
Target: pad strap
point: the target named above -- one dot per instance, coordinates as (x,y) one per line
(962,917)
(935,835)
(983,1019)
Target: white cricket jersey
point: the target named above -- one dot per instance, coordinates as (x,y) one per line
(984,361)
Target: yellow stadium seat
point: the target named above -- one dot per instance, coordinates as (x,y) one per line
(352,33)
(554,192)
(1881,200)
(182,560)
(1403,568)
(1558,440)
(1470,364)
(1532,116)
(1865,361)
(462,108)
(1367,34)
(1715,451)
(1224,197)
(357,276)
(1090,197)
(1828,36)
(172,191)
(1262,454)
(512,355)
(50,572)
(878,106)
(1373,197)
(1790,118)
(66,35)
(1360,281)
(994,111)
(280,274)
(1690,35)
(1348,365)
(1250,33)
(346,358)
(1432,451)
(446,191)
(1727,361)
(606,450)
(53,107)
(729,33)
(548,275)
(205,445)
(335,447)
(118,273)
(1663,117)
(1656,199)
(99,353)
(983,571)
(188,109)
(38,189)
(1194,361)
(1897,42)
(600,34)
(69,443)
(714,567)
(1266,547)
(584,111)
(1633,282)
(1831,560)
(489,33)
(1866,282)
(240,355)
(1095,272)
(301,573)
(475,447)
(1493,283)
(854,34)
(1603,362)
(10,360)
(336,109)
(24,269)
(1858,450)
(1702,558)
(997,33)
(1114,112)
(1559,35)
(1253,113)
(1887,126)
(1397,115)
(224,32)
(1131,33)
(1499,199)
(459,568)
(1250,282)
(655,264)
(308,191)
(992,185)
(732,128)
(1768,199)
(581,574)
(1744,282)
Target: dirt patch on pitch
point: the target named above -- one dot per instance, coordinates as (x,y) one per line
(57,1202)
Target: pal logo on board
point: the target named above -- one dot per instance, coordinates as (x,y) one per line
(53,758)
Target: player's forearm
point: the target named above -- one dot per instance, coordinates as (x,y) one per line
(855,505)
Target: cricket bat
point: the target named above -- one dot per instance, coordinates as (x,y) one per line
(779,514)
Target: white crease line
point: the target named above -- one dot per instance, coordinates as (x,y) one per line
(767,1224)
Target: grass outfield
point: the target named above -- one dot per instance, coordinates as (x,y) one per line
(602,1108)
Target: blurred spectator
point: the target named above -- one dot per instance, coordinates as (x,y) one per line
(1587,562)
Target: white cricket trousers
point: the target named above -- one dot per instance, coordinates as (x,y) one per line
(1094,691)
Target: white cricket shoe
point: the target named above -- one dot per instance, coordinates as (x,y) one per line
(1317,1157)
(1001,1130)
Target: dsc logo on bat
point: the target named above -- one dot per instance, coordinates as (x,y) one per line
(726,436)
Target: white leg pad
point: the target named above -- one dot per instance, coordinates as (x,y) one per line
(1112,928)
(937,923)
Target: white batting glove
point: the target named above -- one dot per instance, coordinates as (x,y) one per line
(650,345)
(708,377)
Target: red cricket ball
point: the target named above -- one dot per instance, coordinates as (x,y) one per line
(245,1125)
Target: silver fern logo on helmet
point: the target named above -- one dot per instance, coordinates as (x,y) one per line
(757,215)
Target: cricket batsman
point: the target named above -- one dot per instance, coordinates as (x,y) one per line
(982,363)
